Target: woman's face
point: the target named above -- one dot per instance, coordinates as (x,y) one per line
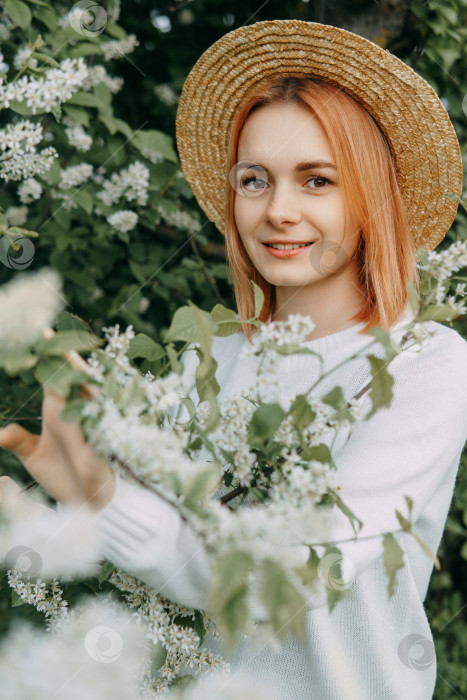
(288,197)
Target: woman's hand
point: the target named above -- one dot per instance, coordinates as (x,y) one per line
(60,459)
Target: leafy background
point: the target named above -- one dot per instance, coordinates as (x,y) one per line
(143,276)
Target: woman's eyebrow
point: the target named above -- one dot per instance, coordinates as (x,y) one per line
(300,167)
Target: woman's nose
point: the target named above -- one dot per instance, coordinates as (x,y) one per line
(283,206)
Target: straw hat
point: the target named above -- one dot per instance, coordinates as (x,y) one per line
(422,139)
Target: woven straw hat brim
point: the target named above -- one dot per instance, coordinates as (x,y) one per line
(422,139)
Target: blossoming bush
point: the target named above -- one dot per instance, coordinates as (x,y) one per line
(267,449)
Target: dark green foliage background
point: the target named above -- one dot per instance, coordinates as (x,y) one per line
(168,266)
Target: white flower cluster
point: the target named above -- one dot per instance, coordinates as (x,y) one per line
(166,94)
(29,191)
(29,303)
(46,93)
(136,426)
(157,616)
(117,48)
(123,220)
(47,598)
(98,74)
(304,482)
(23,58)
(441,265)
(131,183)
(20,138)
(231,435)
(76,135)
(18,156)
(75,175)
(16,215)
(179,219)
(94,655)
(293,331)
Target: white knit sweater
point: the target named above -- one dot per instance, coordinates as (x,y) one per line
(371,646)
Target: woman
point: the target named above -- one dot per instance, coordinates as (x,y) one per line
(323,140)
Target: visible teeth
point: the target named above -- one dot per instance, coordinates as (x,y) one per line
(287,246)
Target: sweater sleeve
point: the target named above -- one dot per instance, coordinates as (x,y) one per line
(411,448)
(142,534)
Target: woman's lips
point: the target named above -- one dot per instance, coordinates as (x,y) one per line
(281,253)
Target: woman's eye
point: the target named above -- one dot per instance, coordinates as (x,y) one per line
(255,180)
(318,177)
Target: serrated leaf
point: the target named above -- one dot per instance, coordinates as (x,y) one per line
(18,361)
(439,313)
(152,140)
(226,320)
(393,560)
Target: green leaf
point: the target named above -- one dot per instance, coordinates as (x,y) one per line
(19,12)
(393,560)
(106,572)
(144,346)
(259,299)
(335,398)
(427,550)
(47,16)
(73,410)
(158,657)
(16,601)
(45,59)
(264,423)
(58,375)
(186,324)
(456,198)
(355,522)
(439,313)
(78,339)
(77,114)
(285,604)
(301,412)
(151,140)
(309,573)
(414,297)
(85,200)
(200,486)
(381,384)
(226,320)
(113,124)
(15,362)
(227,595)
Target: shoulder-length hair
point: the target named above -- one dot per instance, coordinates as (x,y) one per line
(386,254)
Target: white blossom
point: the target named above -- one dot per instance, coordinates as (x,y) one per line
(29,190)
(130,183)
(75,175)
(77,136)
(98,74)
(16,215)
(117,48)
(28,304)
(123,220)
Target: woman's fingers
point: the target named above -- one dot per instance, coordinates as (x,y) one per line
(19,440)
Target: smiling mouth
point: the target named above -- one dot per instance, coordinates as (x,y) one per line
(288,246)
